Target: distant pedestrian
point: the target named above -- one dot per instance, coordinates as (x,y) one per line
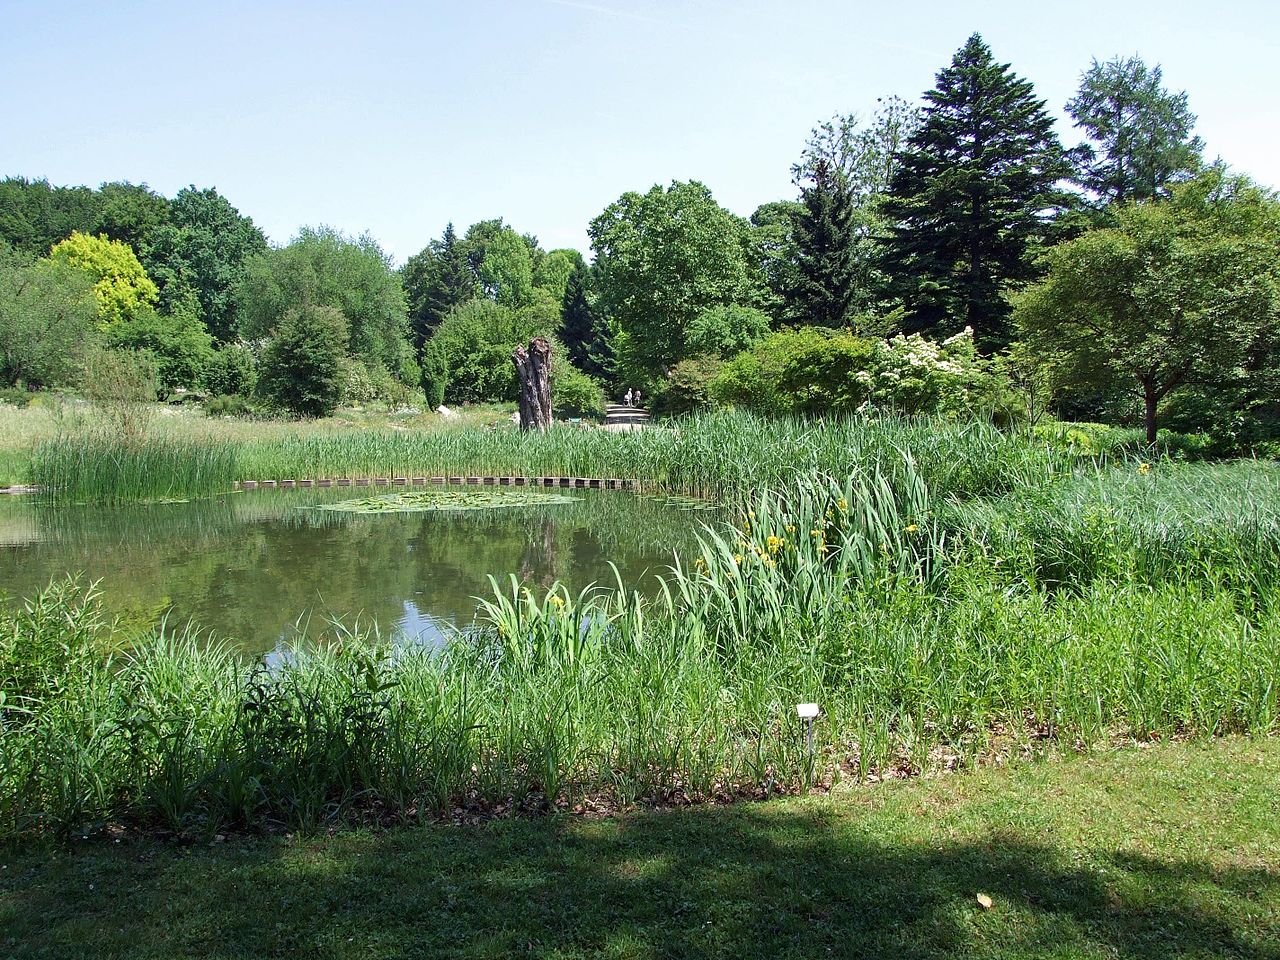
(637,398)
(627,397)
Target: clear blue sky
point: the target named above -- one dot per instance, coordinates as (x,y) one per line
(396,118)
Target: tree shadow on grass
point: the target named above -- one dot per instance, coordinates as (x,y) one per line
(760,880)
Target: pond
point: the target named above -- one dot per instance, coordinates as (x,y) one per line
(264,568)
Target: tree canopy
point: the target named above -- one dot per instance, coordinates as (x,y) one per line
(970,199)
(120,284)
(1140,133)
(662,258)
(325,268)
(1176,293)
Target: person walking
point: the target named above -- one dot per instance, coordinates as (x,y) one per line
(627,397)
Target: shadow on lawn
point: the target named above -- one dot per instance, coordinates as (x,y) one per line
(752,881)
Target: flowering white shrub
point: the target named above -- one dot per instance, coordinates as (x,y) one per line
(911,374)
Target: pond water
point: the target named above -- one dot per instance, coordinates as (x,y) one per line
(262,568)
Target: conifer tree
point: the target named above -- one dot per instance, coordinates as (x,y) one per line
(581,330)
(437,280)
(824,245)
(973,196)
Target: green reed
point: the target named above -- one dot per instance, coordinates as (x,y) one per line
(726,455)
(924,646)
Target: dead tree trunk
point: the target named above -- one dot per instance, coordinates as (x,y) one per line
(533,367)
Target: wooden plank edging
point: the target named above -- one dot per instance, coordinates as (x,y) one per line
(580,483)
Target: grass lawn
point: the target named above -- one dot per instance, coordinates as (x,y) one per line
(1170,851)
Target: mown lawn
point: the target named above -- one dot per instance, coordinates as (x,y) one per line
(1169,851)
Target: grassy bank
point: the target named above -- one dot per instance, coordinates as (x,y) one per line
(927,648)
(1163,852)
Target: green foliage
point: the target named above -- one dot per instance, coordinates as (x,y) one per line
(1141,133)
(228,405)
(98,468)
(178,343)
(809,370)
(47,315)
(474,346)
(725,330)
(823,292)
(969,208)
(435,377)
(302,368)
(120,284)
(324,268)
(231,370)
(35,215)
(661,259)
(1176,293)
(554,271)
(573,393)
(688,388)
(506,271)
(436,279)
(583,331)
(130,213)
(200,253)
(121,384)
(48,645)
(1053,619)
(773,248)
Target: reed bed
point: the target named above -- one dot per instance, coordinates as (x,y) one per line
(101,468)
(925,647)
(723,455)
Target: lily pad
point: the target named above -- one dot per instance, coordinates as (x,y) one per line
(420,501)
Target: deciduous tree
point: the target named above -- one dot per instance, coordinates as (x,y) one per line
(662,258)
(120,284)
(1176,293)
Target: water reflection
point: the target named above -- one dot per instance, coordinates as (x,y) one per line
(259,567)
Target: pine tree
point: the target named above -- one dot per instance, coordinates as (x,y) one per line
(581,330)
(1142,132)
(436,280)
(824,244)
(971,198)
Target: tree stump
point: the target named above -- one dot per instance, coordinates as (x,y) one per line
(533,367)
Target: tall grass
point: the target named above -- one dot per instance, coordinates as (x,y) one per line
(101,468)
(923,647)
(722,455)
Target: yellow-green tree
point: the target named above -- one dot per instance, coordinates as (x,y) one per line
(121,286)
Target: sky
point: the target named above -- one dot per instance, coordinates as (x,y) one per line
(396,118)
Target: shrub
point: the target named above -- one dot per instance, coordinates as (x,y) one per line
(914,375)
(726,330)
(435,378)
(687,389)
(573,393)
(231,370)
(178,342)
(802,370)
(121,383)
(15,396)
(228,405)
(302,367)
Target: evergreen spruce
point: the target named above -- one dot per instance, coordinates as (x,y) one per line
(824,244)
(437,280)
(972,198)
(581,330)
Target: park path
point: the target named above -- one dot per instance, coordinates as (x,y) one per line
(621,416)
